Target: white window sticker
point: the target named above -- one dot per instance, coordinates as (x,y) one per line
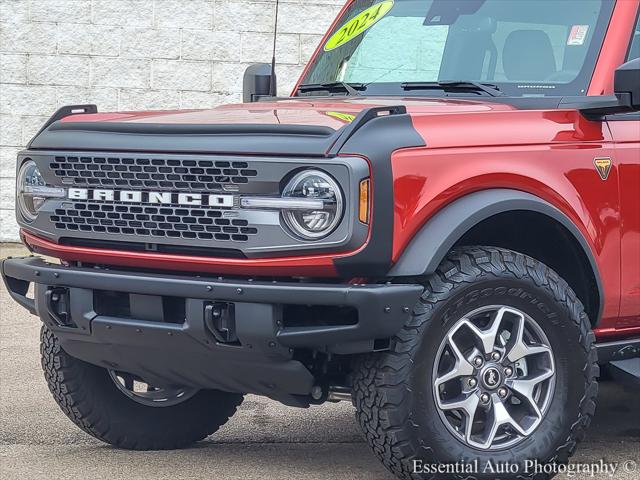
(578,35)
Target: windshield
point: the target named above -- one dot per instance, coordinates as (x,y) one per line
(524,47)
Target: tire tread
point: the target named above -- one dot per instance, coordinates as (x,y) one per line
(68,380)
(381,406)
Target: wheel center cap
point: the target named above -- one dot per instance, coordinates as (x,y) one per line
(491,378)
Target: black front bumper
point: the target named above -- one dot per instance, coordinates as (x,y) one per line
(260,361)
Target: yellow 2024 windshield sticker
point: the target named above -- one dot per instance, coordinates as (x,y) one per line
(358,25)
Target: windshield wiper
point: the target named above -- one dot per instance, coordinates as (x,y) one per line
(487,88)
(350,88)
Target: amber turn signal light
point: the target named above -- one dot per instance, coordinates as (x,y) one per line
(364,201)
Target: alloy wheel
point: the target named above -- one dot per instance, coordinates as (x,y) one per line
(494,377)
(142,392)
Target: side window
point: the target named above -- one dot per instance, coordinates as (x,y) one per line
(634,49)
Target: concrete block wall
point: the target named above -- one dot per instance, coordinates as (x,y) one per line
(137,55)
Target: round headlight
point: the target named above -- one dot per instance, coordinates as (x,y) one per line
(29,176)
(323,215)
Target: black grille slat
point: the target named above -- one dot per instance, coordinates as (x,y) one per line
(111,218)
(157,173)
(169,221)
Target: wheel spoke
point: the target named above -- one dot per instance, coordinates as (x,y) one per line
(487,337)
(525,388)
(468,405)
(517,348)
(500,417)
(461,368)
(128,381)
(148,394)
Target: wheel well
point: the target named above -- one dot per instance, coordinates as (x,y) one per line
(545,239)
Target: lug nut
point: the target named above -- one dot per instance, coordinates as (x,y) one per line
(508,371)
(478,361)
(473,382)
(484,398)
(495,355)
(502,392)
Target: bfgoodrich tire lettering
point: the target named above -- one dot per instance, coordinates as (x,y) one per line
(89,397)
(393,393)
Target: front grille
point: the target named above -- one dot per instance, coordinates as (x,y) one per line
(140,220)
(157,173)
(160,219)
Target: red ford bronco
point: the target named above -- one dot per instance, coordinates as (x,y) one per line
(441,224)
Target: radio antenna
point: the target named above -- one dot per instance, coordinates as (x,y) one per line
(272,80)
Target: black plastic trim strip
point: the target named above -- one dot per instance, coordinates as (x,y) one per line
(193,129)
(435,239)
(239,139)
(619,350)
(361,119)
(64,112)
(376,140)
(623,117)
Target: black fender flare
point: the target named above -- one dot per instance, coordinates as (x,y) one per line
(439,234)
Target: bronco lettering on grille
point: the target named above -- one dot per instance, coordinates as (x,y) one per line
(162,198)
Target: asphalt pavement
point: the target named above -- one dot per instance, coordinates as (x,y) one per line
(264,440)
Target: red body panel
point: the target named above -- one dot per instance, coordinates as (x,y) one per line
(470,146)
(547,154)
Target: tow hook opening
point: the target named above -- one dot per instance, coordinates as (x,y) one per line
(219,317)
(58,307)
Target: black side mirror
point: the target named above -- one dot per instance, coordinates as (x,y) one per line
(257,82)
(626,84)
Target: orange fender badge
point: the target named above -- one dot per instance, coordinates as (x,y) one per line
(603,166)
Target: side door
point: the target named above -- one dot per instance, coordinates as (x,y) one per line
(625,131)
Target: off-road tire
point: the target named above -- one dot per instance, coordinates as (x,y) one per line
(89,397)
(393,392)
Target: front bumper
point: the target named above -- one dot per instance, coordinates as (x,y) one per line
(260,361)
